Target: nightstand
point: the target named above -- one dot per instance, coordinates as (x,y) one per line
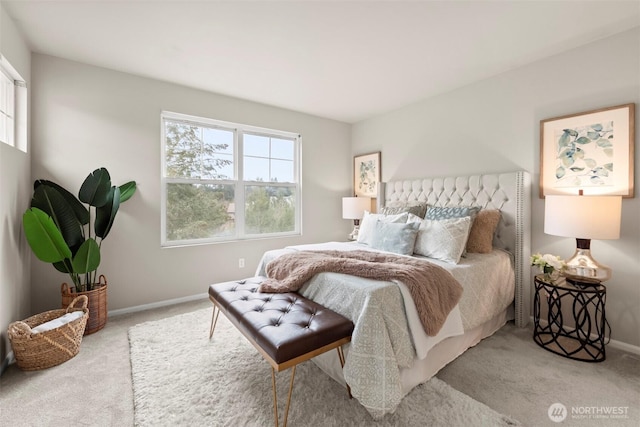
(570,320)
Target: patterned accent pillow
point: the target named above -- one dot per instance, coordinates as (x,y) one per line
(444,240)
(444,212)
(369,222)
(415,209)
(394,237)
(482,231)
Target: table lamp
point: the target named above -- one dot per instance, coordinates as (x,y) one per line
(354,208)
(585,218)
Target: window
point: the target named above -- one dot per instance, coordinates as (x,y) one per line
(224,181)
(13,107)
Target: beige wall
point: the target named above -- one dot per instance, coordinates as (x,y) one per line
(15,193)
(493,126)
(85,117)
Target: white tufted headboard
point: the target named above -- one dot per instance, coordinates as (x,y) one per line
(509,192)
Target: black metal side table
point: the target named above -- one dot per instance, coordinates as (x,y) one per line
(570,320)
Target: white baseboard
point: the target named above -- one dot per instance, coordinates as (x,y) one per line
(620,345)
(159,304)
(624,346)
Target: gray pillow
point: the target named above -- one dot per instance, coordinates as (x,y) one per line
(418,209)
(395,237)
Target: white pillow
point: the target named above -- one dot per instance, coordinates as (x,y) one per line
(414,218)
(57,322)
(444,239)
(368,224)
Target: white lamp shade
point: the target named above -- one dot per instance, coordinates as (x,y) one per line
(583,217)
(354,207)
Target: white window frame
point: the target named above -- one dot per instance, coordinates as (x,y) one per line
(15,116)
(238,182)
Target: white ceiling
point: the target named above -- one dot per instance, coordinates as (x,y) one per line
(342,60)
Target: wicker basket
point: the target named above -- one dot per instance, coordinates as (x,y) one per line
(50,348)
(97,304)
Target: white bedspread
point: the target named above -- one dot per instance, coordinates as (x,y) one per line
(489,285)
(388,334)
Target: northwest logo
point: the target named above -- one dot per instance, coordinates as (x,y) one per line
(557,412)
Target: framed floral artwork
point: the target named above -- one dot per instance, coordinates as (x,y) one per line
(591,151)
(366,174)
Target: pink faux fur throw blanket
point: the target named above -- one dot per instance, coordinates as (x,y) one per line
(434,290)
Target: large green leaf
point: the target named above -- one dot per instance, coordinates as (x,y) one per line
(105,215)
(82,213)
(48,199)
(43,236)
(127,190)
(64,266)
(95,189)
(87,258)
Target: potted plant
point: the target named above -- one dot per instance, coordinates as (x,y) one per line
(61,230)
(550,265)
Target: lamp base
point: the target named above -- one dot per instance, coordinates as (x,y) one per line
(582,283)
(582,269)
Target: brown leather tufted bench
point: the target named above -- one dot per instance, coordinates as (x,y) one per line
(286,328)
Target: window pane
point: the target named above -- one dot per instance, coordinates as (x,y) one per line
(197,211)
(197,151)
(4,87)
(282,149)
(207,177)
(255,145)
(256,169)
(221,140)
(224,167)
(3,128)
(281,171)
(6,109)
(269,209)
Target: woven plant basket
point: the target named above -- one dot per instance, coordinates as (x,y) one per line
(34,351)
(97,303)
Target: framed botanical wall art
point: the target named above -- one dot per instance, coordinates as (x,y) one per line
(366,174)
(591,151)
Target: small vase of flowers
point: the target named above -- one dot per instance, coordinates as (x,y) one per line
(550,265)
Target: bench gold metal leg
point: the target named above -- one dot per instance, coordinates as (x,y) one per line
(341,357)
(286,411)
(214,320)
(275,395)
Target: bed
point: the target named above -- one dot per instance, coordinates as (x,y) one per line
(390,353)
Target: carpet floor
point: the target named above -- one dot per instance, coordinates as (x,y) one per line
(182,378)
(507,372)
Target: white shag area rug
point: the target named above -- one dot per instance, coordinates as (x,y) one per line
(181,378)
